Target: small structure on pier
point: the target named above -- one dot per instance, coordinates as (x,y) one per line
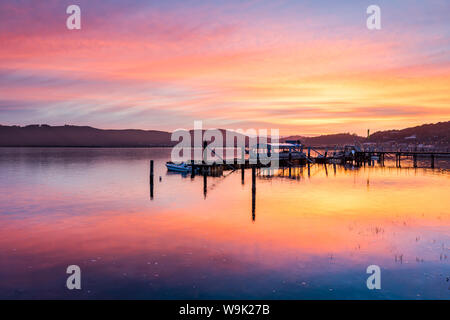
(288,151)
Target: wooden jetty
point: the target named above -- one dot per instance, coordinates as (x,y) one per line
(293,153)
(358,158)
(293,168)
(363,157)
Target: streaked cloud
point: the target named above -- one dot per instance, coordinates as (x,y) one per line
(301,66)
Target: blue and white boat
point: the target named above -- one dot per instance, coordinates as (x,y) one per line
(178,167)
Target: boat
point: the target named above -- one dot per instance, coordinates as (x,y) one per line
(349,151)
(178,167)
(294,155)
(290,150)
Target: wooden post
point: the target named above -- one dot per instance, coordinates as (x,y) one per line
(205,182)
(257,152)
(309,153)
(205,156)
(151,179)
(253,192)
(432,160)
(151,168)
(309,170)
(242,173)
(253,177)
(415,160)
(193,168)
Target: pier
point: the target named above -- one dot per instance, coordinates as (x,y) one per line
(292,158)
(363,157)
(307,165)
(357,158)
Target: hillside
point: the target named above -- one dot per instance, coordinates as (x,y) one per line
(76,136)
(83,136)
(438,133)
(330,139)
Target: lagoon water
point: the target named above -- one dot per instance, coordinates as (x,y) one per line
(310,237)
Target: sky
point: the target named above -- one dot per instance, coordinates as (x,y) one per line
(303,67)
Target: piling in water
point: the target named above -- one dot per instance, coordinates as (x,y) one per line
(205,182)
(253,192)
(151,179)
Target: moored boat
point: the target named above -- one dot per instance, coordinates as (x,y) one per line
(178,167)
(290,150)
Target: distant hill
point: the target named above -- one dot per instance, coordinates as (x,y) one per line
(236,137)
(83,136)
(437,133)
(329,139)
(76,136)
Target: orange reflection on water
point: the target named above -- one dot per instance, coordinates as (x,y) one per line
(327,222)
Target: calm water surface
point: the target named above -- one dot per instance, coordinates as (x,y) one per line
(311,236)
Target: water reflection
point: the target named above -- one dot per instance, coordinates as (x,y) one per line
(315,235)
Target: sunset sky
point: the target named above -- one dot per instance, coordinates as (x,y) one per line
(304,67)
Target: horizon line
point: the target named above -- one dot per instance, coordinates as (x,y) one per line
(213,128)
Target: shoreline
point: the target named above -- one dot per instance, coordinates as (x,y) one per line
(91,147)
